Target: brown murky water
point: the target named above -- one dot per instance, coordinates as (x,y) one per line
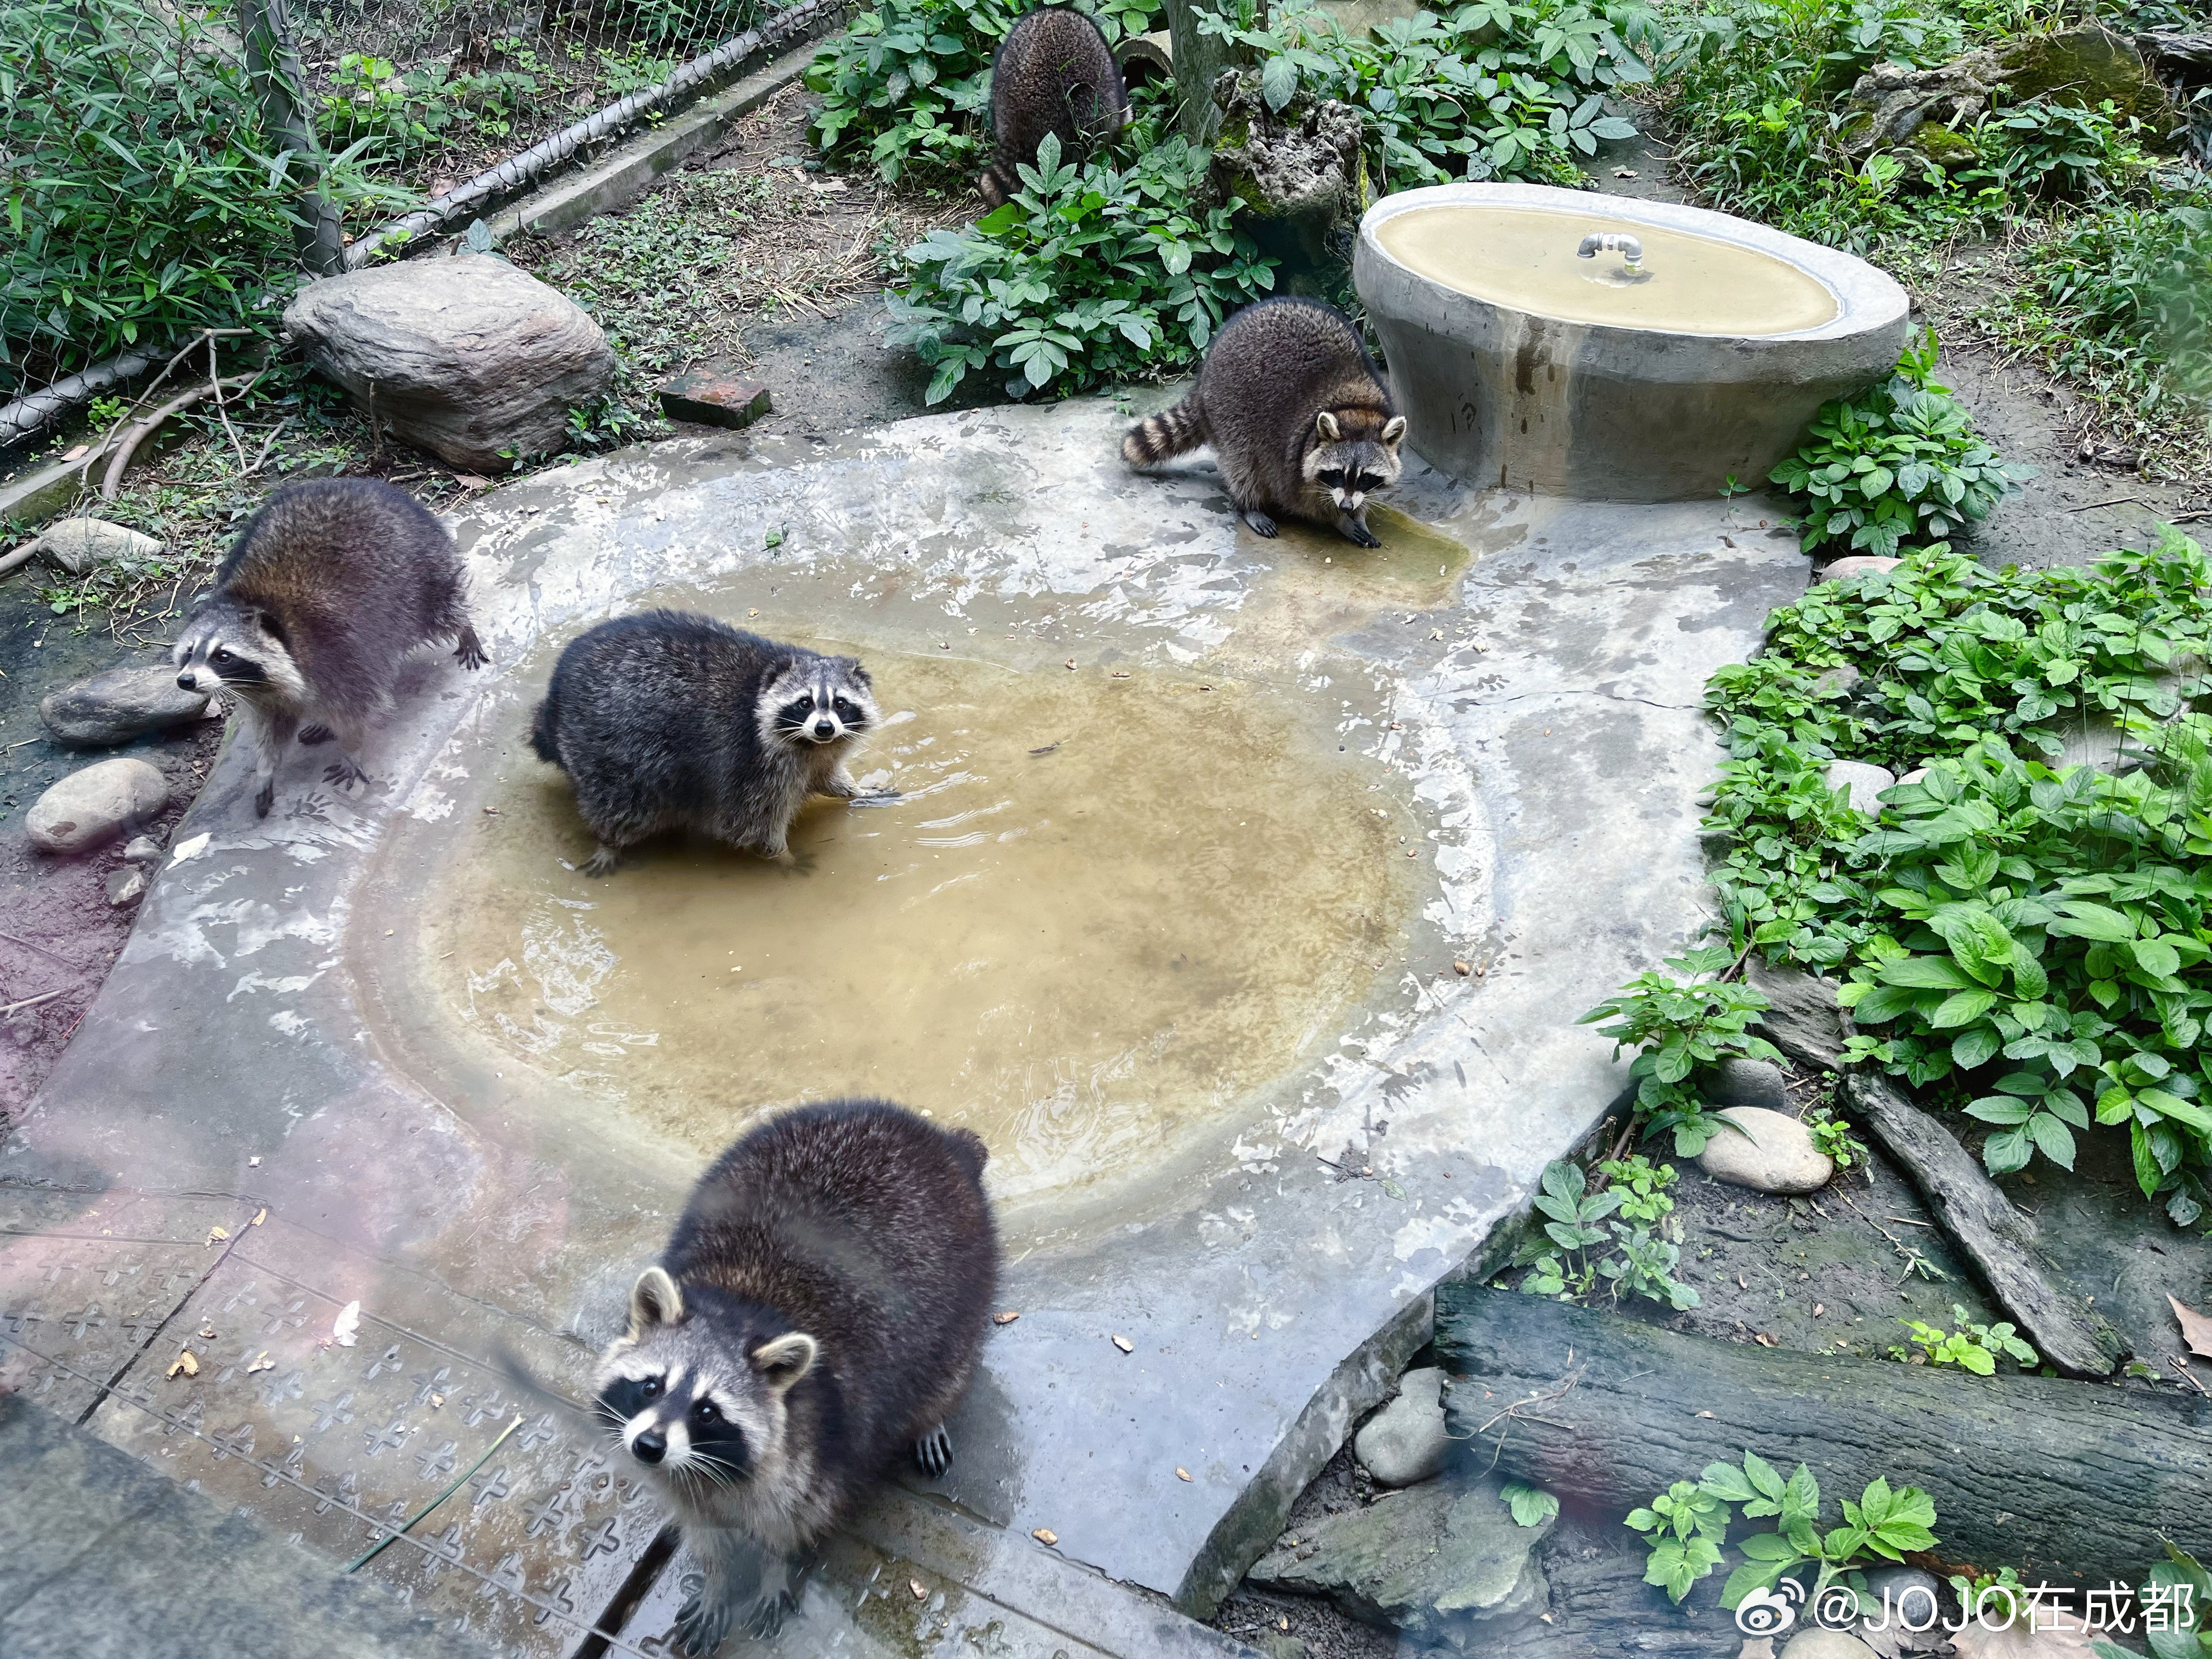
(1525,258)
(1078,952)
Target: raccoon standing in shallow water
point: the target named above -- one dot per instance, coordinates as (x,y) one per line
(1300,420)
(329,587)
(666,720)
(1053,73)
(818,1312)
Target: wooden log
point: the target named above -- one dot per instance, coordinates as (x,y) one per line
(2059,1478)
(1995,1237)
(2175,52)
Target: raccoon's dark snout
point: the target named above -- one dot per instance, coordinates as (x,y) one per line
(186,682)
(650,1446)
(824,729)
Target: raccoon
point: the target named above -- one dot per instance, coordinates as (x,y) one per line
(1053,73)
(1299,418)
(666,720)
(326,591)
(818,1312)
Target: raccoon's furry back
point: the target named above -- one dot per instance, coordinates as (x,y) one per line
(355,574)
(1053,73)
(864,1225)
(671,691)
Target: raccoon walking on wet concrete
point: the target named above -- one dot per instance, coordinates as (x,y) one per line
(1300,422)
(1053,73)
(667,720)
(326,591)
(817,1311)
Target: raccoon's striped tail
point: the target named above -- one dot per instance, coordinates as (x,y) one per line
(1161,437)
(541,735)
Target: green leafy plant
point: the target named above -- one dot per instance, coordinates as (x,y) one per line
(1532,1506)
(1492,90)
(1985,1594)
(2031,936)
(1897,463)
(399,118)
(1089,273)
(1613,1239)
(1685,1526)
(1688,1526)
(1832,1137)
(1972,1347)
(142,198)
(2061,153)
(1681,1029)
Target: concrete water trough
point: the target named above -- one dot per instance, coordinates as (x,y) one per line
(1243,895)
(1613,349)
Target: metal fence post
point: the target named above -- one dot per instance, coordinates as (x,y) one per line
(274,64)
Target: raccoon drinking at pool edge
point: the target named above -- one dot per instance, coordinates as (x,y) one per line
(1053,73)
(1300,420)
(667,720)
(817,1311)
(329,587)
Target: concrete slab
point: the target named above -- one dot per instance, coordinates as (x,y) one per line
(1524,675)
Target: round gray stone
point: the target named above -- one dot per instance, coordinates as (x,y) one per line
(1775,1153)
(1858,564)
(1917,1599)
(119,705)
(143,849)
(91,807)
(1405,1442)
(126,885)
(79,544)
(1749,1083)
(1817,1643)
(1865,781)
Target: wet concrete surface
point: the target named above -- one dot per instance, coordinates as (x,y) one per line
(262,1121)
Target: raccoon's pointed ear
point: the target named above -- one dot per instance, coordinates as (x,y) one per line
(654,1300)
(267,623)
(1394,428)
(1325,423)
(782,1360)
(853,666)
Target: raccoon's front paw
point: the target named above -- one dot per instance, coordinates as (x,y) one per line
(1259,522)
(699,1628)
(876,797)
(265,798)
(469,651)
(312,735)
(344,772)
(1360,534)
(932,1453)
(765,1617)
(603,862)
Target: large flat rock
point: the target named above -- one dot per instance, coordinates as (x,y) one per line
(1529,672)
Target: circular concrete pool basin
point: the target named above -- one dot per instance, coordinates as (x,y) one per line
(1576,344)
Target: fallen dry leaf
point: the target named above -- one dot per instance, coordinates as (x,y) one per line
(1819,1308)
(259,1216)
(1124,1345)
(207,1333)
(215,1235)
(1071,662)
(437,1402)
(262,1362)
(346,1328)
(921,1591)
(1181,1473)
(1700,1413)
(1765,1340)
(2196,1329)
(1463,969)
(187,1363)
(1007,1317)
(1046,1536)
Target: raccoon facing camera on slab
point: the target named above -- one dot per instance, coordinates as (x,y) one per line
(1053,73)
(330,588)
(1301,423)
(817,1313)
(668,720)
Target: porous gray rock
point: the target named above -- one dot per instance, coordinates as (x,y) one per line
(126,885)
(1864,781)
(79,544)
(1801,1019)
(1774,1154)
(1276,1645)
(1445,1564)
(119,705)
(1747,1082)
(465,357)
(2102,744)
(91,807)
(1917,1599)
(1405,1442)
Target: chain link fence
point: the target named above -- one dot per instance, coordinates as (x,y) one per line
(167,168)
